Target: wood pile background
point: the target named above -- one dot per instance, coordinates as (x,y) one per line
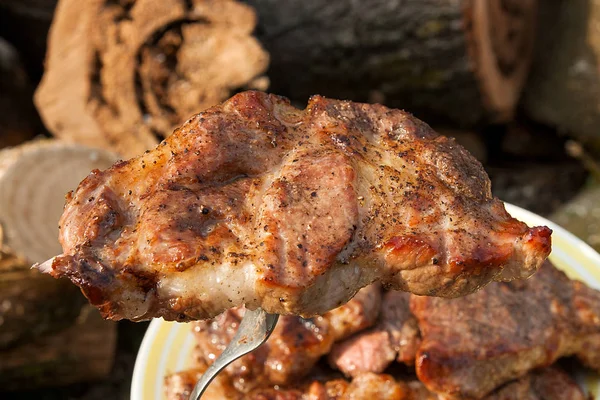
(122,75)
(83,83)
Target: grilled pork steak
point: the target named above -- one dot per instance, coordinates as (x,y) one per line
(546,384)
(256,202)
(293,348)
(473,344)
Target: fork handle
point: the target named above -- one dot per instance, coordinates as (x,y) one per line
(205,380)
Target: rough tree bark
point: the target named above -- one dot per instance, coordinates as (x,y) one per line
(122,74)
(25,24)
(32,304)
(44,338)
(18,118)
(82,352)
(458,60)
(564,87)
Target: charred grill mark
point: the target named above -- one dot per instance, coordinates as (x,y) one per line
(95,280)
(199,226)
(145,280)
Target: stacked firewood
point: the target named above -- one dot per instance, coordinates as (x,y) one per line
(120,75)
(48,335)
(123,74)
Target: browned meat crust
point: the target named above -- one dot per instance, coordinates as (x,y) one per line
(324,387)
(395,337)
(473,344)
(546,384)
(255,202)
(356,315)
(294,347)
(292,350)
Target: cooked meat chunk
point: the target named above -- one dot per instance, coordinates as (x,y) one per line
(472,345)
(256,202)
(546,384)
(289,354)
(369,351)
(320,385)
(356,315)
(363,387)
(179,386)
(384,387)
(294,347)
(395,337)
(550,384)
(401,325)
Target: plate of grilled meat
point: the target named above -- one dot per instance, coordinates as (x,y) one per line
(526,339)
(350,221)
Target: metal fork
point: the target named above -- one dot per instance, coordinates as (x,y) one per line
(254,330)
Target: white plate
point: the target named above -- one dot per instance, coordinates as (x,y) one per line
(167,346)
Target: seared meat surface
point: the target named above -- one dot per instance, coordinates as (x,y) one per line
(370,351)
(293,348)
(474,344)
(402,326)
(368,386)
(546,384)
(256,202)
(359,313)
(395,337)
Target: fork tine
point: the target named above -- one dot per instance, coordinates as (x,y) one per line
(45,267)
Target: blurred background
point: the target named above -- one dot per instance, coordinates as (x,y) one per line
(85,83)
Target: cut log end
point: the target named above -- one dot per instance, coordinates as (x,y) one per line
(459,63)
(33,181)
(136,69)
(501,38)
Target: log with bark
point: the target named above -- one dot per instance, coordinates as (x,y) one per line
(461,61)
(44,337)
(581,216)
(18,118)
(121,74)
(25,24)
(564,88)
(82,352)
